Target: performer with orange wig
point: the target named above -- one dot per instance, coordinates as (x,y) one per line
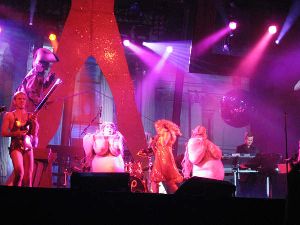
(164,167)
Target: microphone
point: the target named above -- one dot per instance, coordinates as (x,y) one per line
(2,108)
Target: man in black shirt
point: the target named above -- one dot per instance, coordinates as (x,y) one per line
(250,184)
(247,147)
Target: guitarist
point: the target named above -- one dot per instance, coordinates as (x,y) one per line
(36,82)
(22,127)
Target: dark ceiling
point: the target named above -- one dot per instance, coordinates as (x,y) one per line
(162,20)
(153,19)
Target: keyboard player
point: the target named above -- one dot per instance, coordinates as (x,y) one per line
(247,147)
(249,184)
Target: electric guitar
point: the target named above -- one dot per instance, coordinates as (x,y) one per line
(44,100)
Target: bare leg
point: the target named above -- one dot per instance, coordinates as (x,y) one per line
(10,179)
(17,160)
(28,168)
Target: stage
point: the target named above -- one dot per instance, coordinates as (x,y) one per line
(83,206)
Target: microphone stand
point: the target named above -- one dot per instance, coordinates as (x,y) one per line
(98,114)
(286,152)
(286,142)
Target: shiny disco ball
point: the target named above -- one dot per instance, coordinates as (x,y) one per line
(237,108)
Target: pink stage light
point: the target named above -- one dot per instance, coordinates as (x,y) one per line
(272,29)
(232,25)
(126,43)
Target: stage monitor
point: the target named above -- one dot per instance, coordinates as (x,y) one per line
(207,188)
(106,182)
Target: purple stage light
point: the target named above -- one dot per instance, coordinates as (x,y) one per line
(169,49)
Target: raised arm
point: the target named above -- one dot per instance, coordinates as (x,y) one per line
(196,150)
(120,143)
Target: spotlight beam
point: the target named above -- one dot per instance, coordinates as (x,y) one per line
(250,62)
(293,14)
(32,11)
(210,40)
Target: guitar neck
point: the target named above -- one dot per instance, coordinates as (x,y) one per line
(44,100)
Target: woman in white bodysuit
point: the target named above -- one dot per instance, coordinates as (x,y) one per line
(104,150)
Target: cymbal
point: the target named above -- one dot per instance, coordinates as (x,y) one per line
(145,152)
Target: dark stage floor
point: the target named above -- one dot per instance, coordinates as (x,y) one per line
(83,206)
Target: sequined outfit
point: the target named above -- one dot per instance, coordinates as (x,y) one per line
(18,143)
(164,166)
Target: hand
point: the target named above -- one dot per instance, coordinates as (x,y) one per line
(33,117)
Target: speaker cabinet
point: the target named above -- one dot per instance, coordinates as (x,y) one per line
(106,182)
(208,188)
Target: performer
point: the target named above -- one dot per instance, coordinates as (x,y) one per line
(250,185)
(164,167)
(104,150)
(36,81)
(247,147)
(34,84)
(202,158)
(22,127)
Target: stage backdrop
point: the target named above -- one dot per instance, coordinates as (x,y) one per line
(91,30)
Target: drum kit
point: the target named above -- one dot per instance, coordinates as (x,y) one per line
(137,181)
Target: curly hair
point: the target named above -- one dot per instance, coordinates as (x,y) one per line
(169,125)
